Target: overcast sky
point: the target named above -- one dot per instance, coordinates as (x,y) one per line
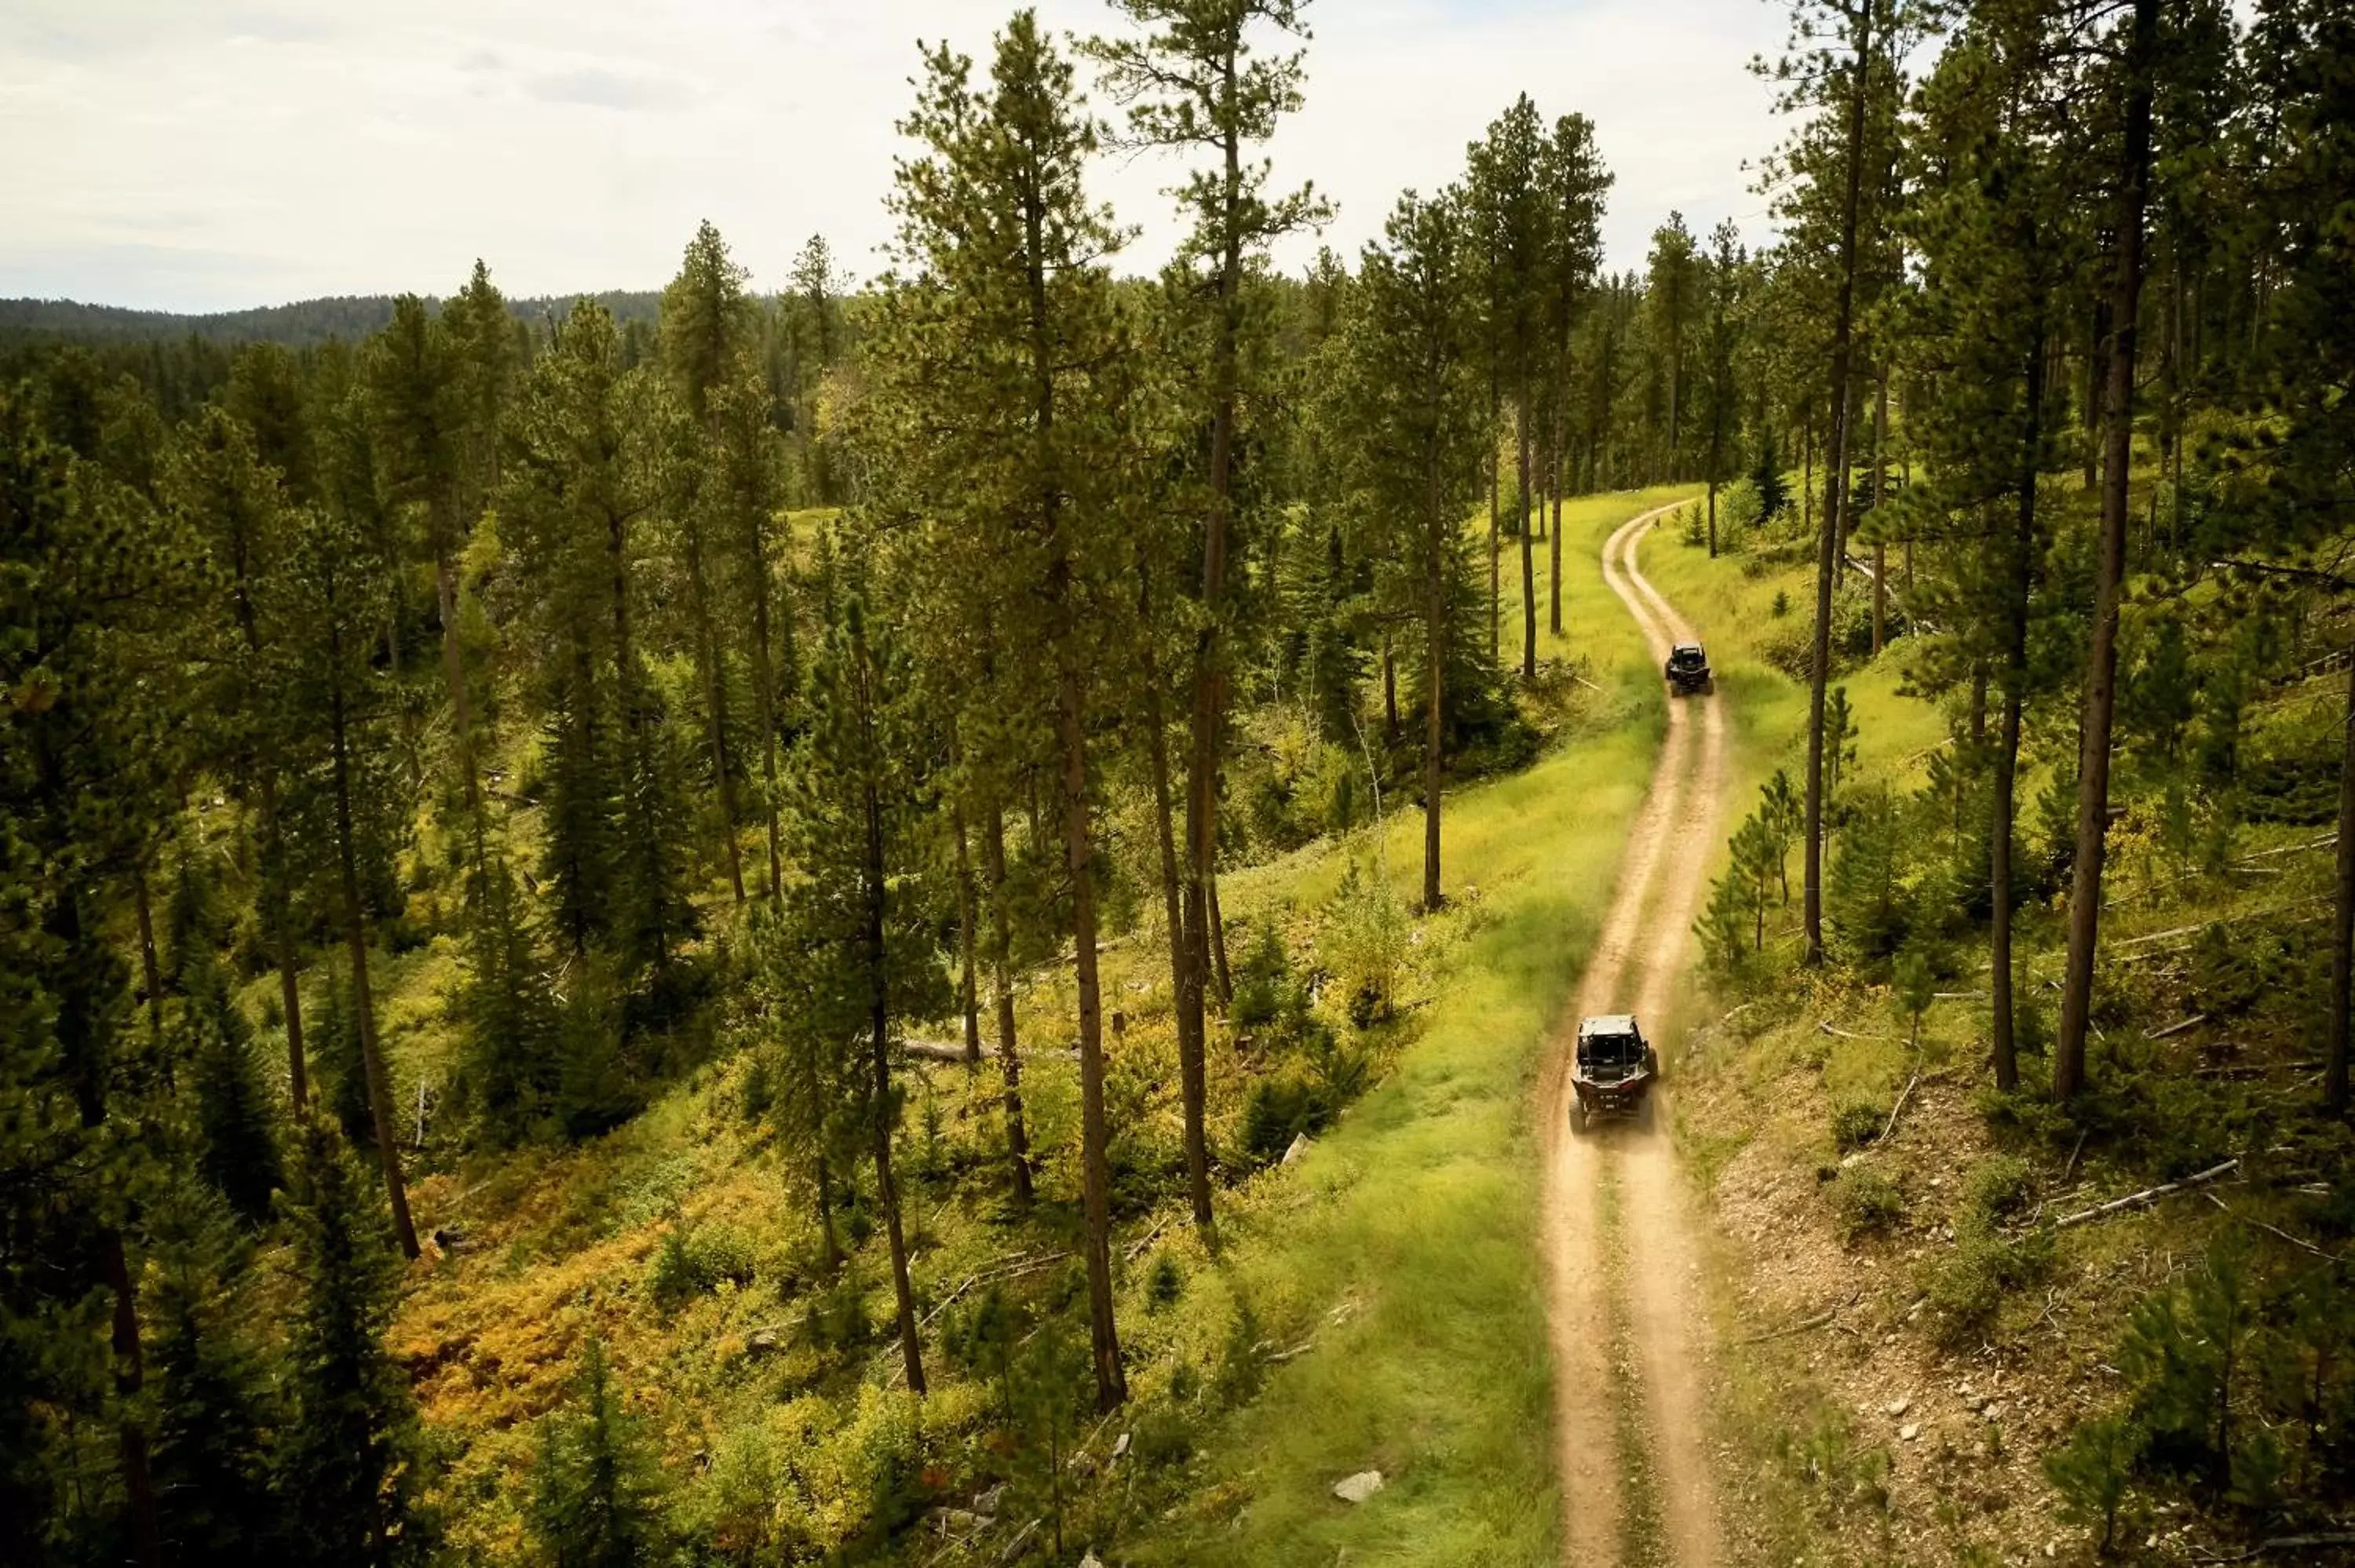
(209,154)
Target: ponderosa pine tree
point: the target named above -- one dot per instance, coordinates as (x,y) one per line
(1510,218)
(1195,84)
(214,482)
(706,340)
(1843,72)
(418,417)
(1996,244)
(1409,409)
(96,588)
(1000,404)
(1724,279)
(334,586)
(816,338)
(2137,68)
(861,801)
(1574,183)
(2286,498)
(583,472)
(1671,300)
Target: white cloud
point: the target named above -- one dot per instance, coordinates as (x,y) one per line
(188,156)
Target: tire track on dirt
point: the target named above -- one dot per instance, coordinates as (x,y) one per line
(1666,859)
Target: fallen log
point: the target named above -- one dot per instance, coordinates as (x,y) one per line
(2148,1195)
(1818,1321)
(2286,1543)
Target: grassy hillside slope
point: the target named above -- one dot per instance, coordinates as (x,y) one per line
(1921,1334)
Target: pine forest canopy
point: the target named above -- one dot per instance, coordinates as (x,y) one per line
(441,737)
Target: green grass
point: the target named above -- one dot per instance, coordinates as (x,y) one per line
(1421,1206)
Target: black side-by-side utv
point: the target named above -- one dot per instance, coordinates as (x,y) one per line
(1614,1070)
(1687,670)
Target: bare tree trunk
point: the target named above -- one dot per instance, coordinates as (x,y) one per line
(832,1245)
(1001,984)
(1808,469)
(764,676)
(1528,573)
(1208,715)
(454,677)
(2007,759)
(282,936)
(380,1086)
(1078,856)
(2102,670)
(1496,503)
(882,1111)
(1390,692)
(968,995)
(1220,972)
(1828,554)
(1434,641)
(151,971)
(2342,918)
(130,1376)
(1192,1031)
(1553,543)
(1880,597)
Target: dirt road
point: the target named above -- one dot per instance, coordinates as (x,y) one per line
(1631,1349)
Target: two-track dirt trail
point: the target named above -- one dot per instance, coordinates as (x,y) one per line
(1631,1336)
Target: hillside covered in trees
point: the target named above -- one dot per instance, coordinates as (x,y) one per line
(721,926)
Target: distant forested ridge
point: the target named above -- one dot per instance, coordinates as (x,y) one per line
(303,323)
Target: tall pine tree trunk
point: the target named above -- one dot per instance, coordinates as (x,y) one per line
(1390,692)
(1096,1170)
(1553,538)
(380,1086)
(2342,919)
(2020,579)
(1807,467)
(715,698)
(462,721)
(1219,973)
(1828,553)
(2101,668)
(1192,1031)
(281,924)
(1001,985)
(1496,505)
(1434,645)
(883,1109)
(968,992)
(1209,714)
(1529,573)
(130,1377)
(764,677)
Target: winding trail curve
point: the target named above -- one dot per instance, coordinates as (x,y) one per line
(1623,1250)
